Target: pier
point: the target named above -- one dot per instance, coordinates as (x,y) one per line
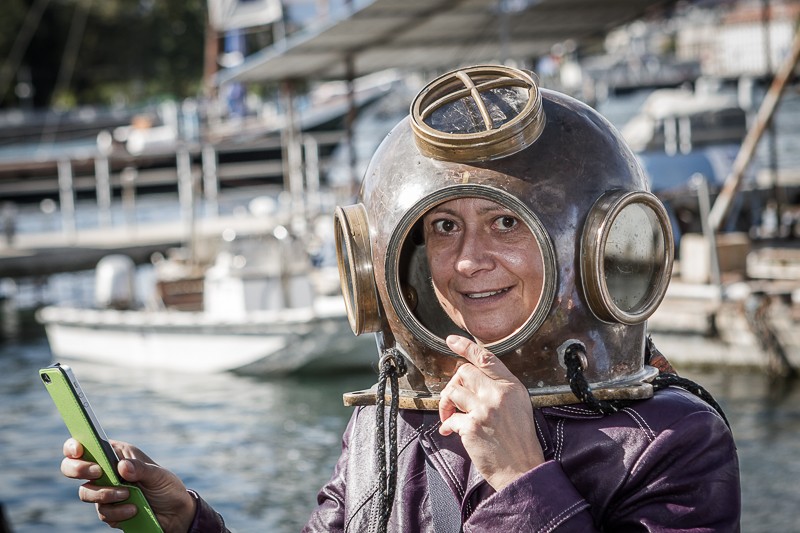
(41,254)
(115,184)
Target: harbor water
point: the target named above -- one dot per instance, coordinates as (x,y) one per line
(259,449)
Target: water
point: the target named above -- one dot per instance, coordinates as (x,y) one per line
(259,450)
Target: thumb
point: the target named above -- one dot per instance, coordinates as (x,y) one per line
(137,471)
(150,477)
(480,357)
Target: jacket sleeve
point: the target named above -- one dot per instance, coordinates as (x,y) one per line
(206,520)
(686,479)
(542,500)
(329,515)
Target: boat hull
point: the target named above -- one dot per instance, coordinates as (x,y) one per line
(261,343)
(695,327)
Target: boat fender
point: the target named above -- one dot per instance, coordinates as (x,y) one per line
(115,283)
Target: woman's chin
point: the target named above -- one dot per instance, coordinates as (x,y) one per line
(489,333)
(489,337)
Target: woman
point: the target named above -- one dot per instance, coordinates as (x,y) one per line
(509,284)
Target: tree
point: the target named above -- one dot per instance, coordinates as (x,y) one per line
(128,51)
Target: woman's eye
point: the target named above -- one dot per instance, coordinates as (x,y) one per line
(506,222)
(444,226)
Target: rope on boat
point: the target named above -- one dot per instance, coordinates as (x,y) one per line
(756,311)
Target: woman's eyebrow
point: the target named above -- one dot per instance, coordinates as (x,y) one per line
(484,210)
(494,209)
(440,211)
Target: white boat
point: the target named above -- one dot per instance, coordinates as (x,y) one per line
(263,314)
(678,134)
(316,338)
(747,324)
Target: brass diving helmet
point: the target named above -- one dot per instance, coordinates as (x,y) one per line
(604,241)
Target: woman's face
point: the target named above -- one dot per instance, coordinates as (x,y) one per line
(486,266)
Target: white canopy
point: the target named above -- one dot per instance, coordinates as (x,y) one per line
(427,34)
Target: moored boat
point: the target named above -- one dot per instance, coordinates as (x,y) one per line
(264,310)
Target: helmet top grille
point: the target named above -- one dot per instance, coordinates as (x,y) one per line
(477,114)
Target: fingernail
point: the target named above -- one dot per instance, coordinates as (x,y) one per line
(121,494)
(455,340)
(73,448)
(129,465)
(95,471)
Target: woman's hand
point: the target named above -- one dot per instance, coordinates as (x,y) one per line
(491,410)
(173,505)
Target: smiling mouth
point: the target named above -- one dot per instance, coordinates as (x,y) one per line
(488,294)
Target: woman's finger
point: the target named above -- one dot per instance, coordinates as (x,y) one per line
(72,448)
(128,451)
(113,514)
(480,357)
(454,424)
(454,399)
(80,469)
(102,495)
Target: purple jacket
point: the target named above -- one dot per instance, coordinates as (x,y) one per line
(664,464)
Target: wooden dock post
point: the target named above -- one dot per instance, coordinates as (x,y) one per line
(66,196)
(746,153)
(210,180)
(102,176)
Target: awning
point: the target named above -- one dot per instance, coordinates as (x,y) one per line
(430,34)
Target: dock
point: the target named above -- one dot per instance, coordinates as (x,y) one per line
(42,254)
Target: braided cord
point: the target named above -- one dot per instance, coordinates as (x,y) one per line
(664,380)
(666,377)
(578,383)
(392,366)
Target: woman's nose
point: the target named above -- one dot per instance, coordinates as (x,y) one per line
(474,254)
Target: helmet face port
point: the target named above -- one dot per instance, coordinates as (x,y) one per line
(471,260)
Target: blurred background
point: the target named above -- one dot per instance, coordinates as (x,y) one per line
(168,174)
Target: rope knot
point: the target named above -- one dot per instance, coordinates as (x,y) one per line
(393,362)
(392,365)
(576,362)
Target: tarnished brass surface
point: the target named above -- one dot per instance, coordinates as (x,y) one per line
(490,140)
(594,248)
(553,183)
(640,390)
(354,257)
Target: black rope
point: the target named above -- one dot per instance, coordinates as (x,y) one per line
(666,377)
(757,311)
(577,381)
(392,366)
(664,380)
